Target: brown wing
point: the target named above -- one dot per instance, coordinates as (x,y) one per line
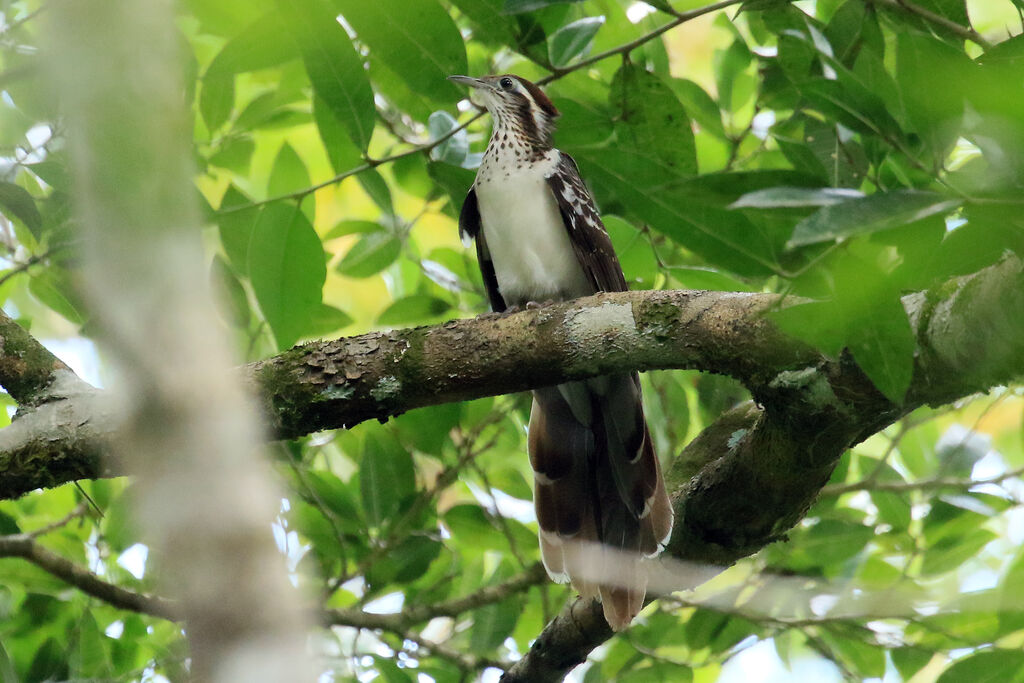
(586,231)
(597,480)
(469,229)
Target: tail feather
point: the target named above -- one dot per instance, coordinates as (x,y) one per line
(598,484)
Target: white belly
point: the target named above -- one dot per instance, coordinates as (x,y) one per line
(533,257)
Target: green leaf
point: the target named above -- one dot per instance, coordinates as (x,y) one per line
(925,68)
(850,103)
(344,228)
(408,561)
(1002,666)
(910,660)
(231,299)
(455,148)
(48,664)
(699,105)
(572,40)
(288,174)
(883,345)
(636,255)
(880,211)
(470,526)
(490,23)
(52,287)
(415,309)
(377,188)
(373,253)
(386,477)
(287,270)
(342,152)
(951,552)
(260,45)
(427,429)
(521,6)
(216,100)
(653,120)
(91,655)
(454,180)
(390,673)
(334,67)
(583,123)
(787,197)
(234,154)
(327,320)
(724,238)
(492,625)
(17,202)
(331,492)
(827,544)
(235,228)
(415,38)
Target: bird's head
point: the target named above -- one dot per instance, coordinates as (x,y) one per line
(516,105)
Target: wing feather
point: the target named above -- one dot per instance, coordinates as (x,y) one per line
(470,229)
(582,221)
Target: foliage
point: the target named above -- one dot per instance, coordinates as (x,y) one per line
(846,151)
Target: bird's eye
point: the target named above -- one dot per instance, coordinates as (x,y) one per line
(506,83)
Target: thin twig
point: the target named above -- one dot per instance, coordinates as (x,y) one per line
(411,616)
(31,261)
(367,165)
(14,25)
(77,512)
(965,32)
(680,18)
(920,485)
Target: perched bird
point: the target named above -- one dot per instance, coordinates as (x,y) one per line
(539,237)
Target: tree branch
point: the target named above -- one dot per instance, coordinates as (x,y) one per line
(965,32)
(27,368)
(339,383)
(25,547)
(402,621)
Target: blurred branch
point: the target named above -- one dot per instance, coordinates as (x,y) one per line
(965,32)
(402,621)
(18,23)
(25,547)
(370,163)
(77,512)
(922,485)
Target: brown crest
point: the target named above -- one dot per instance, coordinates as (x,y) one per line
(539,97)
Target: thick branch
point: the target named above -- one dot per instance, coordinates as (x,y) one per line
(27,368)
(331,384)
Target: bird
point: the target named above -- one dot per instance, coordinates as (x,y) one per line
(539,238)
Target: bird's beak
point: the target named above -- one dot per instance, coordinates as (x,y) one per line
(470,81)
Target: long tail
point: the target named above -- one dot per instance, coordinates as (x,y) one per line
(597,481)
